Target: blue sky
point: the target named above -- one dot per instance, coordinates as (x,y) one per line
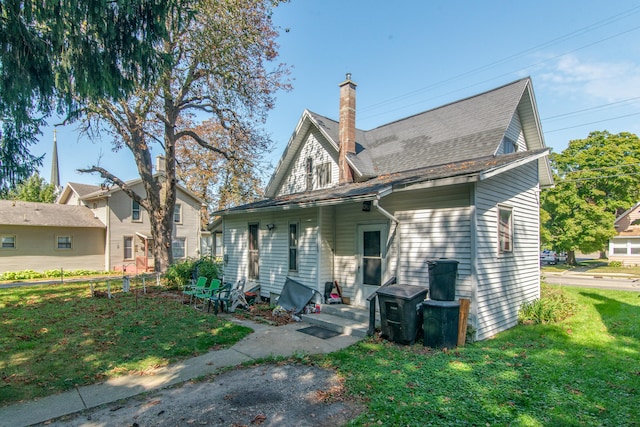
(412,56)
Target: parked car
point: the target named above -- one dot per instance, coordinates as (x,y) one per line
(552,257)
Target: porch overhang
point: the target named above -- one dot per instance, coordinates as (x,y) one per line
(375,189)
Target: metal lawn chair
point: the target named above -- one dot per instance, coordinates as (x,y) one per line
(205,293)
(191,289)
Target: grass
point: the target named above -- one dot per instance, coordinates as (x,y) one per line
(593,266)
(582,371)
(55,337)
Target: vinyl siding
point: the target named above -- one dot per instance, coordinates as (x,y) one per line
(515,134)
(273,249)
(36,249)
(316,147)
(434,223)
(505,281)
(121,225)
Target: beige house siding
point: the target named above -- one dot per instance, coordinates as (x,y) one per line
(36,249)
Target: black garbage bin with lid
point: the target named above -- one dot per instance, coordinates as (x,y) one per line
(442,279)
(440,323)
(400,311)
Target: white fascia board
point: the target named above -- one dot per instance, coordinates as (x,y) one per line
(500,169)
(442,182)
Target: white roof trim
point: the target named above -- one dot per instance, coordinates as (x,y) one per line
(500,169)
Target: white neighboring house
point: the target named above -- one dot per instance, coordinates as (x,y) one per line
(625,247)
(129,243)
(460,181)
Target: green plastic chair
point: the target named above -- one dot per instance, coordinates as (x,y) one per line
(207,292)
(192,289)
(221,298)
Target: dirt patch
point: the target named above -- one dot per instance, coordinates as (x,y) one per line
(267,395)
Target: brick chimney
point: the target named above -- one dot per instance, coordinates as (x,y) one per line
(347,128)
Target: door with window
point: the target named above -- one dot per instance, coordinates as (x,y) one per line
(372,242)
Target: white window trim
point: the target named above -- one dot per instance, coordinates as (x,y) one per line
(139,212)
(15,242)
(297,246)
(184,239)
(179,207)
(124,246)
(501,250)
(57,242)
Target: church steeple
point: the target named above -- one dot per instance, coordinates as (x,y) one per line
(55,171)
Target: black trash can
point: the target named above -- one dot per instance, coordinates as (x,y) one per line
(440,323)
(442,279)
(400,311)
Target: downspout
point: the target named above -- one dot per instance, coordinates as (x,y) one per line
(372,298)
(397,222)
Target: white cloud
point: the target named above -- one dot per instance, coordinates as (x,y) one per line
(606,81)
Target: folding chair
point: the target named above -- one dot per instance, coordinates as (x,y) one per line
(205,293)
(192,289)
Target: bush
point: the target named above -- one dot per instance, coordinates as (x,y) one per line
(53,274)
(180,274)
(615,264)
(552,306)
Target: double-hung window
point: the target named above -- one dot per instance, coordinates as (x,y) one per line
(128,247)
(177,213)
(8,241)
(136,211)
(293,246)
(64,242)
(505,229)
(178,246)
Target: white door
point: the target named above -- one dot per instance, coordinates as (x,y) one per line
(372,242)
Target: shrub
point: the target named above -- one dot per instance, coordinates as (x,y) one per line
(181,273)
(616,264)
(552,306)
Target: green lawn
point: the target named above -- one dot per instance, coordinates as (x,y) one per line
(584,371)
(55,337)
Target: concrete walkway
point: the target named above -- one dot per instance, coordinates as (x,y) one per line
(265,341)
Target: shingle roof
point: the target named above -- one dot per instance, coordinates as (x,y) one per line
(465,129)
(373,187)
(47,215)
(83,189)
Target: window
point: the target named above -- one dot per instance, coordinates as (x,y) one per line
(508,146)
(128,247)
(8,242)
(178,247)
(323,174)
(64,242)
(372,258)
(254,253)
(217,244)
(505,229)
(177,213)
(293,246)
(309,172)
(136,213)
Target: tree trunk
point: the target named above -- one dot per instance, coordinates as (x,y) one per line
(603,255)
(571,257)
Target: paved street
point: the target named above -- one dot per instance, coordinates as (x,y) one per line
(593,280)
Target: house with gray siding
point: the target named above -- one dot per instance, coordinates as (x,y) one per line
(460,181)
